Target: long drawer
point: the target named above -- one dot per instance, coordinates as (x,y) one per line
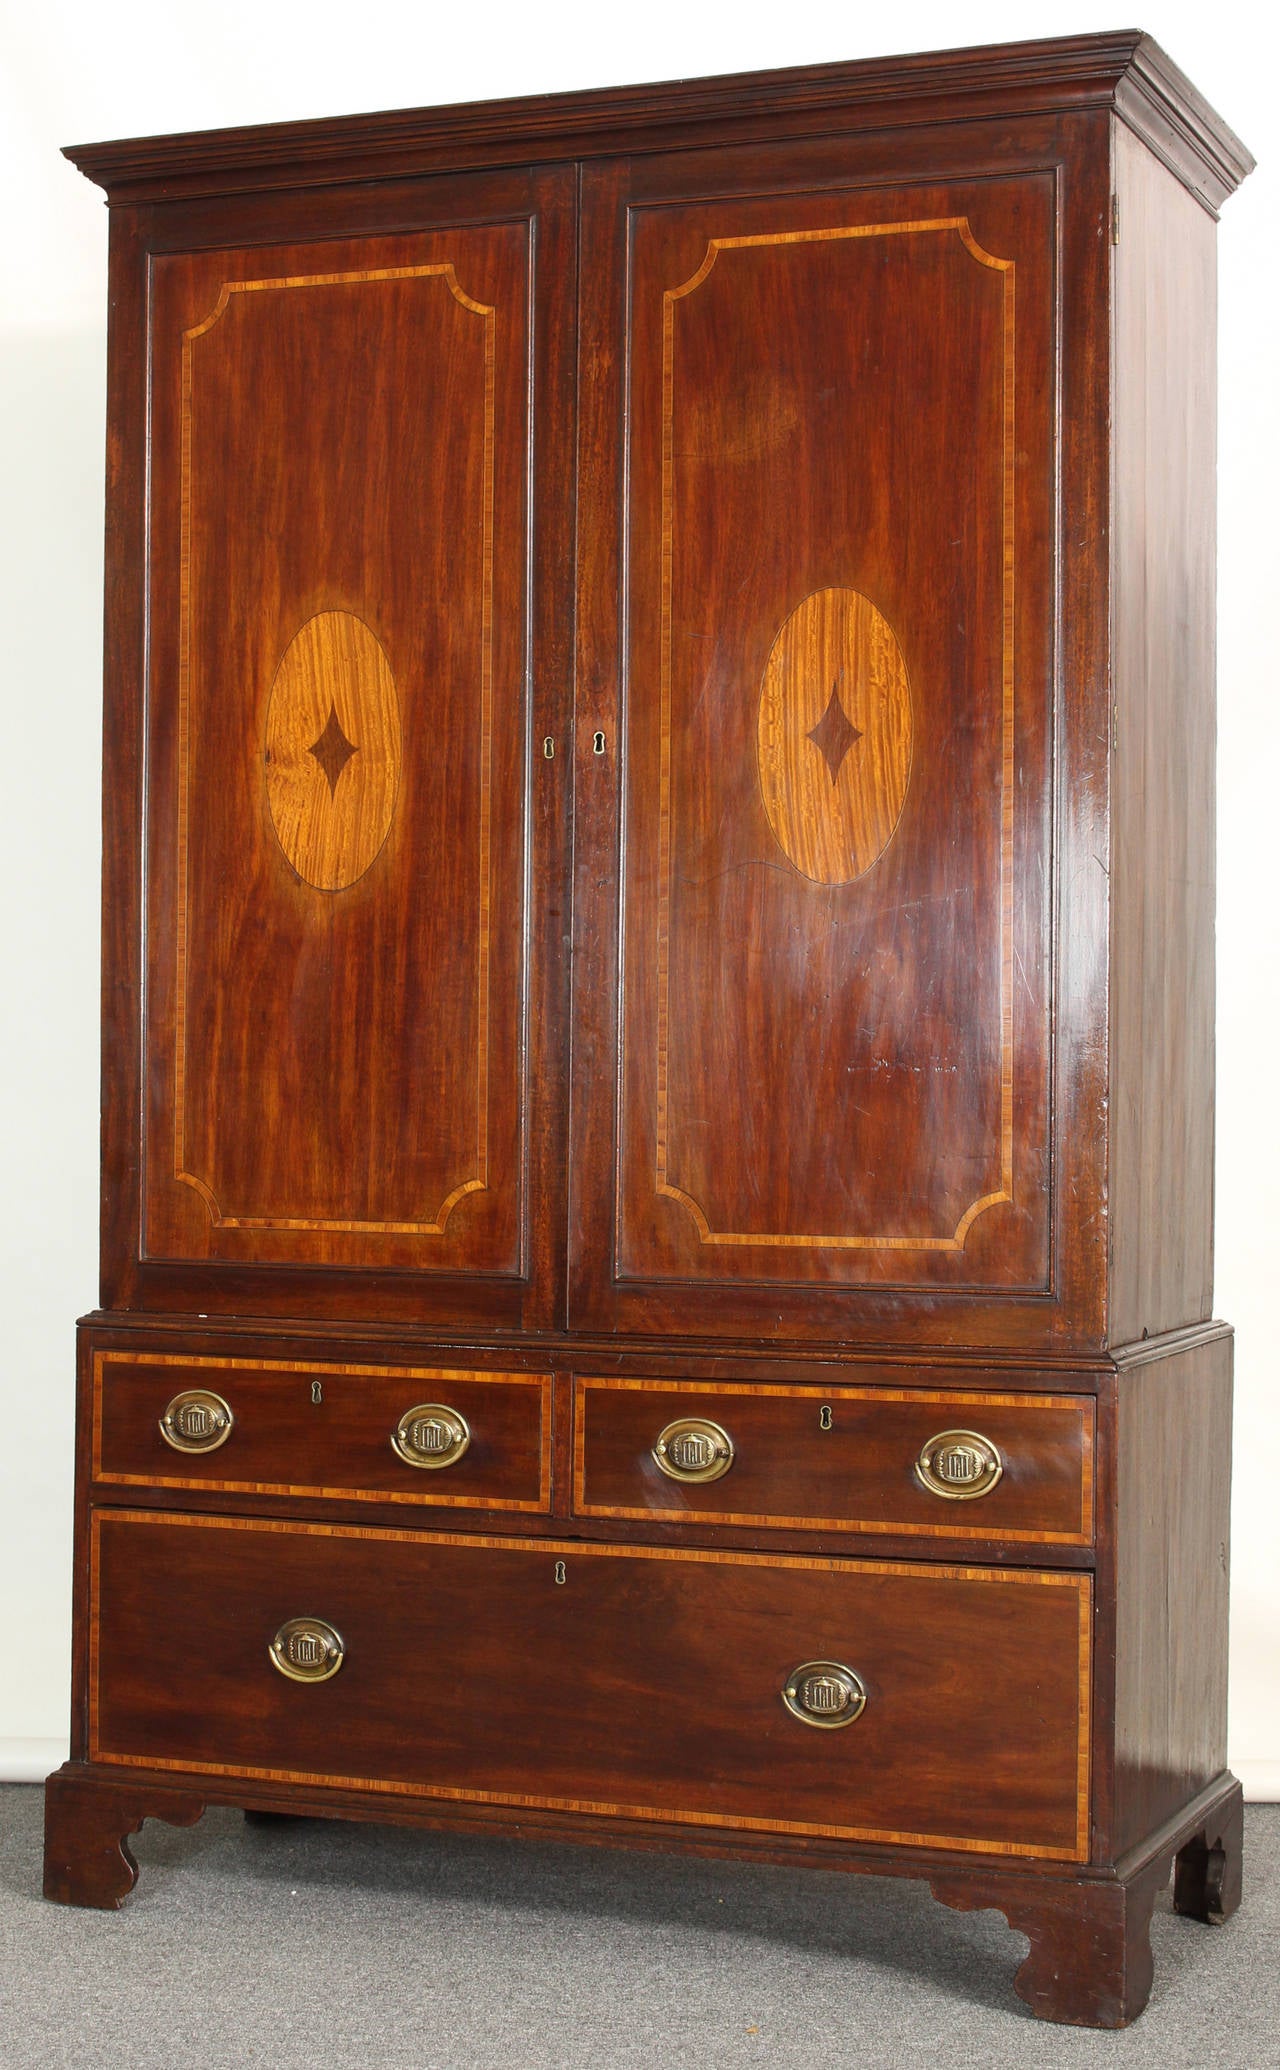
(929,1705)
(424,1435)
(915,1462)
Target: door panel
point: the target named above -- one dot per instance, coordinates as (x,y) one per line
(339,900)
(835,530)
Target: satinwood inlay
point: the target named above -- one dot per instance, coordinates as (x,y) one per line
(834,736)
(333,750)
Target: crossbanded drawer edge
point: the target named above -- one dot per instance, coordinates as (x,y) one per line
(1081,1583)
(417,1498)
(773,1520)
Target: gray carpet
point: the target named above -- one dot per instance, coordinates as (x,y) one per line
(317,1946)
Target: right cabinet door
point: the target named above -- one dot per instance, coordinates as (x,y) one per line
(820,580)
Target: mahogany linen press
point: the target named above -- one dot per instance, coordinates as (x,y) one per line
(658,945)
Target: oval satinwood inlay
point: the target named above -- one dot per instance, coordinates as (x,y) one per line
(833,737)
(332,750)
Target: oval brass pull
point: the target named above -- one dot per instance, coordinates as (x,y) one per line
(693,1448)
(959,1465)
(306,1649)
(824,1693)
(431,1435)
(196,1421)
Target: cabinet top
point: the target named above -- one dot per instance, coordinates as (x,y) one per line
(1124,70)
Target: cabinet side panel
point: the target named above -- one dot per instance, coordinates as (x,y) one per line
(1162,872)
(1173,1497)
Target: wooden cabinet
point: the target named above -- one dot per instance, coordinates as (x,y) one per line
(658,987)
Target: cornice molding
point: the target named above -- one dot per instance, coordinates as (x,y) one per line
(1124,70)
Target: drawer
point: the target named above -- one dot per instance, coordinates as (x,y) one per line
(324,1430)
(844,1459)
(634,1682)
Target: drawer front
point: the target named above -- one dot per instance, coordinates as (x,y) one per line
(627,1681)
(324,1430)
(847,1459)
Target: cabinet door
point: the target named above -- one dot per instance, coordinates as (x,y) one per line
(832,534)
(352,851)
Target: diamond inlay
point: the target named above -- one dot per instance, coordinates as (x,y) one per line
(835,733)
(333,750)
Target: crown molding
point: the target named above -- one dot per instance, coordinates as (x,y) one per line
(1125,71)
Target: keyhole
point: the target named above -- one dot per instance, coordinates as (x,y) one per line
(317,1391)
(597,744)
(549,748)
(824,1416)
(561,1576)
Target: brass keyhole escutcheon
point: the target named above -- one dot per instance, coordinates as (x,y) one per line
(561,1574)
(693,1448)
(824,1416)
(197,1421)
(306,1649)
(317,1392)
(548,749)
(959,1465)
(824,1693)
(597,744)
(431,1435)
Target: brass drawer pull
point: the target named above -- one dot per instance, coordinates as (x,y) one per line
(196,1421)
(693,1448)
(431,1435)
(824,1693)
(959,1465)
(306,1649)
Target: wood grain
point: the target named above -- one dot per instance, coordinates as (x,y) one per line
(929,90)
(88,1820)
(833,740)
(286,1442)
(1172,1539)
(853,1474)
(302,455)
(333,750)
(1163,812)
(878,673)
(773,363)
(1031,1270)
(647,1685)
(349,998)
(1113,1921)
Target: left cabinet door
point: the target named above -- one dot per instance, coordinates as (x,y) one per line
(338,429)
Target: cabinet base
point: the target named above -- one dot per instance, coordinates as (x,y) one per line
(88,1820)
(1089,1962)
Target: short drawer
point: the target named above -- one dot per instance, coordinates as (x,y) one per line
(907,1461)
(423,1435)
(630,1681)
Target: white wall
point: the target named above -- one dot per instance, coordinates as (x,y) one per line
(71,71)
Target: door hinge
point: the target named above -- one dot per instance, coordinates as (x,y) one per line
(1115,219)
